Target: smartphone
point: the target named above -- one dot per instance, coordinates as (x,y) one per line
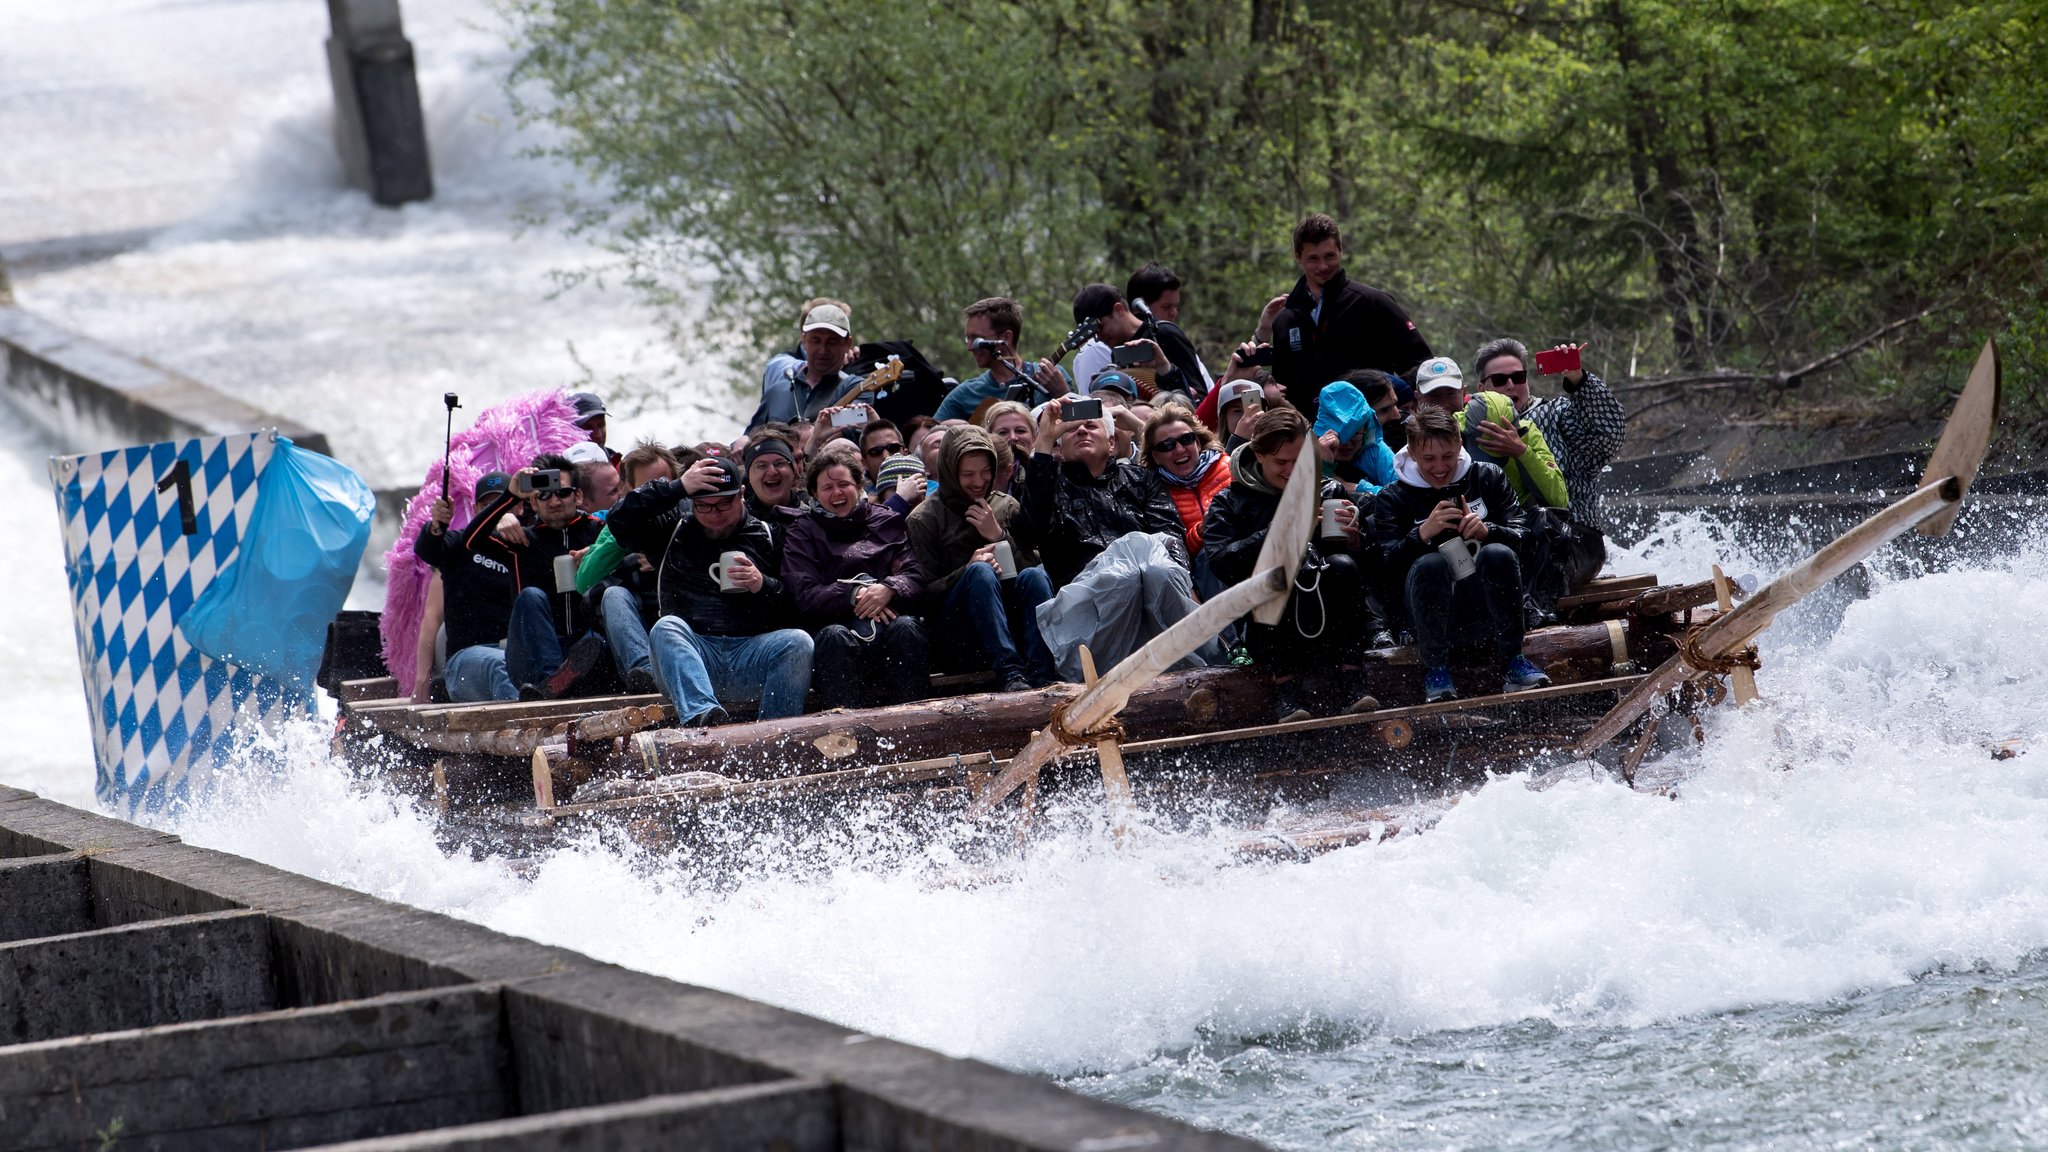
(1130,356)
(849,418)
(1085,409)
(1263,354)
(1557,361)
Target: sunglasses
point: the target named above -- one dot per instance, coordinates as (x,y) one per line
(1184,440)
(1500,378)
(885,449)
(555,494)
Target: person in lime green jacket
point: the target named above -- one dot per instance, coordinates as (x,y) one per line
(1494,433)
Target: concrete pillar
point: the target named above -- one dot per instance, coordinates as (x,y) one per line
(378,127)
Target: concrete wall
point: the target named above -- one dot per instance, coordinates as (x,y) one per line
(259,1009)
(89,397)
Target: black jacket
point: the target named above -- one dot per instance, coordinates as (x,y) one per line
(1360,327)
(1235,528)
(1187,377)
(1401,507)
(1071,516)
(647,520)
(480,574)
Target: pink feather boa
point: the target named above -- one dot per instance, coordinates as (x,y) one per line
(505,438)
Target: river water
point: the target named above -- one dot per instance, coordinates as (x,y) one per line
(1835,934)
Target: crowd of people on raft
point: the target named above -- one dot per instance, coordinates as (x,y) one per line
(832,558)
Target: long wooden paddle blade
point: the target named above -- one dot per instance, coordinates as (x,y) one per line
(1107,696)
(1731,631)
(1961,449)
(1287,538)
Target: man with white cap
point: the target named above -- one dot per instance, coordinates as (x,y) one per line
(1439,384)
(805,389)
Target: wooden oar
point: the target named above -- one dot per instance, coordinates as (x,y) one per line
(1933,508)
(1264,595)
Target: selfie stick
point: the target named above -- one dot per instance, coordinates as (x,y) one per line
(448,441)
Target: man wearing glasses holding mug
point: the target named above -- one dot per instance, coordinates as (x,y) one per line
(728,628)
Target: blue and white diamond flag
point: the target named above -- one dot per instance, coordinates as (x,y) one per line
(146,529)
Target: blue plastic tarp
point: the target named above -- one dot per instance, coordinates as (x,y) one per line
(270,610)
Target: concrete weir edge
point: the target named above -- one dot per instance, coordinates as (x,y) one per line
(88,396)
(268,1009)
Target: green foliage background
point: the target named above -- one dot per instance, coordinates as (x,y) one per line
(1738,185)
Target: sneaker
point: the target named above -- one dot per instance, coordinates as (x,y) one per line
(641,682)
(1289,699)
(1522,676)
(1380,639)
(582,657)
(1015,683)
(530,694)
(1437,685)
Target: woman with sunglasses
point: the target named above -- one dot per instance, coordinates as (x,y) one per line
(849,564)
(1189,462)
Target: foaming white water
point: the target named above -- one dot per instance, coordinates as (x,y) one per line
(1853,833)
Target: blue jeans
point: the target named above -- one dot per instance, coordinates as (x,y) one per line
(619,610)
(476,674)
(997,615)
(699,672)
(1443,609)
(532,649)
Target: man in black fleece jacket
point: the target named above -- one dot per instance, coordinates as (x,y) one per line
(1331,325)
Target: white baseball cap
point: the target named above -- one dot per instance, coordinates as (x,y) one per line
(1234,391)
(1438,373)
(586,452)
(830,317)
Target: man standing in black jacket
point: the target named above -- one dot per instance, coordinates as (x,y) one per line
(728,628)
(1332,326)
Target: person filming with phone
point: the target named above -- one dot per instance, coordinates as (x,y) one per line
(728,630)
(991,330)
(1084,503)
(1128,339)
(1448,530)
(511,633)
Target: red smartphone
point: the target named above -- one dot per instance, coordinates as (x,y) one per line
(1557,360)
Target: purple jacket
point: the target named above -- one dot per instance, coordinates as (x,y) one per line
(821,549)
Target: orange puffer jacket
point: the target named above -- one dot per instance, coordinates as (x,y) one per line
(1191,497)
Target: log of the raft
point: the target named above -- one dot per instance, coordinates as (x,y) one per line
(1202,700)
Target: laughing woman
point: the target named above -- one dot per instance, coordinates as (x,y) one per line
(849,564)
(1190,463)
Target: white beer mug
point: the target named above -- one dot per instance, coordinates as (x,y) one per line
(1331,529)
(565,573)
(722,571)
(1463,555)
(1006,560)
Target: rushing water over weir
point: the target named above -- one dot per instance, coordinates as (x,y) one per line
(1834,931)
